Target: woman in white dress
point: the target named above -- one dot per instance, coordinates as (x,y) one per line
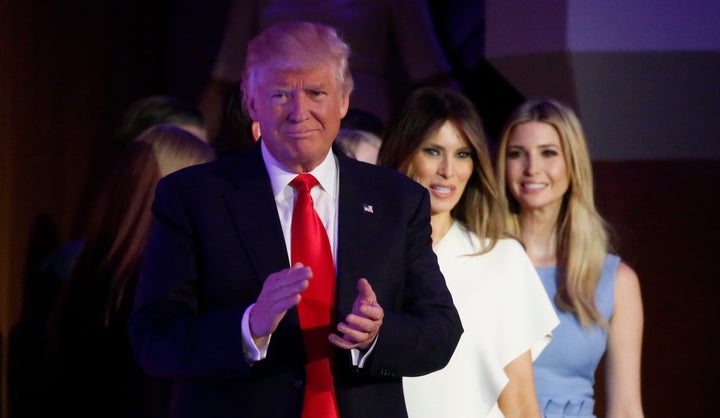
(436,137)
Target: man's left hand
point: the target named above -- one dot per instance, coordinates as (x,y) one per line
(361,326)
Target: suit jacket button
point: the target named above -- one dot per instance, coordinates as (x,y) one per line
(298,383)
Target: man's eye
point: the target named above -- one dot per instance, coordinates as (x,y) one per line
(278,98)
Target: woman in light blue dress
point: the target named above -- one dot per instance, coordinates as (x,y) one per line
(545,179)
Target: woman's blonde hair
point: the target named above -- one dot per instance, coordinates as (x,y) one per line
(580,231)
(105,273)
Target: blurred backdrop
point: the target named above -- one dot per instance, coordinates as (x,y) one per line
(643,76)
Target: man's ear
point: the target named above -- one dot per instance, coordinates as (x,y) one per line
(344,105)
(250,106)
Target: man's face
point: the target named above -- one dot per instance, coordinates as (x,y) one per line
(299,112)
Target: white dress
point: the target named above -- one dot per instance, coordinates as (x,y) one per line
(504,310)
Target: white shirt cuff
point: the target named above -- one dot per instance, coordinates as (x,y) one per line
(358,360)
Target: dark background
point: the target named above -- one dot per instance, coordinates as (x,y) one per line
(69,69)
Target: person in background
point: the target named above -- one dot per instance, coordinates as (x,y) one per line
(47,274)
(546,184)
(138,117)
(360,145)
(239,130)
(393,42)
(437,139)
(94,371)
(231,306)
(155,110)
(360,135)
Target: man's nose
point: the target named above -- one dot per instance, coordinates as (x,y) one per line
(298,108)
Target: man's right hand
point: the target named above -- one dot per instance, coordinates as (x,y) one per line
(280,292)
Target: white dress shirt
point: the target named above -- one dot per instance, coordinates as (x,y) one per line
(325,197)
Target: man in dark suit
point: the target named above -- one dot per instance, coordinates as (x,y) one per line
(217,301)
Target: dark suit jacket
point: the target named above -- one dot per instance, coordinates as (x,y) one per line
(216,236)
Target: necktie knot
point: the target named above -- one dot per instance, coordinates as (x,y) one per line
(304,182)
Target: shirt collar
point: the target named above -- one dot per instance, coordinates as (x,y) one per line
(325,173)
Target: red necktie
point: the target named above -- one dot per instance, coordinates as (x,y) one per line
(310,246)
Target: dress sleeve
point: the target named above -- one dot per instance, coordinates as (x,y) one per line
(523,316)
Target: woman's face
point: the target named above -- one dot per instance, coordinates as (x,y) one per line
(535,168)
(443,164)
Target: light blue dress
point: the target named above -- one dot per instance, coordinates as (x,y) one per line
(565,370)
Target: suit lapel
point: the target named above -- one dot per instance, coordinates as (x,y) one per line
(252,207)
(355,216)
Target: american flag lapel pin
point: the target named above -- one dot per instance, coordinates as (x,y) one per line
(367,208)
